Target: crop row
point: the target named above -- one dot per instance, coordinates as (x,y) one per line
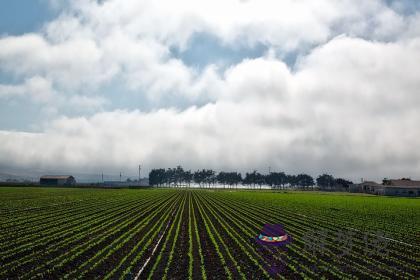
(189,234)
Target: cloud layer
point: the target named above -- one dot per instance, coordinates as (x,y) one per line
(349,105)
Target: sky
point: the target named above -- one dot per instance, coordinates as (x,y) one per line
(300,86)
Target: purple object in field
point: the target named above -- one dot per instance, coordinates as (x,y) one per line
(273,235)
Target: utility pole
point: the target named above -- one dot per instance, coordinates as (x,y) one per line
(120,177)
(102,177)
(139,172)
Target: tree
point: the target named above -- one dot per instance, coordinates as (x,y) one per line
(259,179)
(207,177)
(188,177)
(270,179)
(276,179)
(343,183)
(254,178)
(291,180)
(178,174)
(282,179)
(250,178)
(223,178)
(325,181)
(157,177)
(198,177)
(234,178)
(210,177)
(386,181)
(305,180)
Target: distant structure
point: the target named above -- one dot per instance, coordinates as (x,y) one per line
(144,182)
(394,187)
(366,187)
(57,180)
(139,172)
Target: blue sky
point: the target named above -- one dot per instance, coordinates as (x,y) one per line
(21,16)
(198,78)
(16,18)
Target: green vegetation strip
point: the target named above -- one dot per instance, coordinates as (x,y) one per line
(64,233)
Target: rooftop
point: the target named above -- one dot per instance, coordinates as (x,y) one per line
(403,183)
(56,176)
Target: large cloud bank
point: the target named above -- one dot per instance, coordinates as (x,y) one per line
(349,105)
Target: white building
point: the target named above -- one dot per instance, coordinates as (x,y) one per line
(401,187)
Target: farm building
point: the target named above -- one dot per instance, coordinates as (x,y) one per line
(366,187)
(401,187)
(57,180)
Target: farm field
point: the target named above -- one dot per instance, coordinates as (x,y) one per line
(52,233)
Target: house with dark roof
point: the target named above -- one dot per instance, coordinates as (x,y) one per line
(401,187)
(57,180)
(393,187)
(367,187)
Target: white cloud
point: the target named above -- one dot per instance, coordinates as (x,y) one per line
(7,91)
(71,64)
(362,73)
(37,88)
(260,78)
(40,91)
(413,27)
(285,24)
(349,105)
(85,103)
(93,43)
(347,109)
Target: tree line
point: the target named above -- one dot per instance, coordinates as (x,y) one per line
(178,177)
